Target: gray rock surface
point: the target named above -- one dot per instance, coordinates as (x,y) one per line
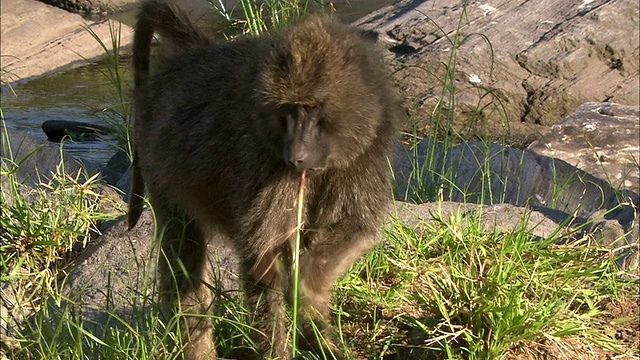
(487,173)
(122,261)
(491,174)
(602,139)
(38,159)
(547,57)
(93,7)
(39,39)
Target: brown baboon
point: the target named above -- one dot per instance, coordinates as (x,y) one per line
(223,132)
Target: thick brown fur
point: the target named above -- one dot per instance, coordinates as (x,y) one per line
(222,133)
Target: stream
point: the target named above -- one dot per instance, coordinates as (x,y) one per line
(83,94)
(79,94)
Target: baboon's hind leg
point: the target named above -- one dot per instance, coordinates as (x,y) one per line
(183,276)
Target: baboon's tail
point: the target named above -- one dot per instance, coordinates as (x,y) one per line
(177,31)
(174,27)
(136,197)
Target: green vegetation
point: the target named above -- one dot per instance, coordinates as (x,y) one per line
(452,289)
(41,227)
(259,17)
(444,289)
(117,116)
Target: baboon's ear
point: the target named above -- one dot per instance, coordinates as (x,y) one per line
(369,35)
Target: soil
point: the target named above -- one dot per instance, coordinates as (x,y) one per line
(627,333)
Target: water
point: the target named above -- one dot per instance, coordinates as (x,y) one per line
(82,94)
(79,94)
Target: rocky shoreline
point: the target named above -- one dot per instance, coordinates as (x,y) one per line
(39,39)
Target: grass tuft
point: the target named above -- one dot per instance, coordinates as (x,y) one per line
(449,289)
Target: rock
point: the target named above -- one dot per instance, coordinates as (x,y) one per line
(476,172)
(622,241)
(76,130)
(38,160)
(115,169)
(93,7)
(490,174)
(602,139)
(34,162)
(122,260)
(29,52)
(547,57)
(499,217)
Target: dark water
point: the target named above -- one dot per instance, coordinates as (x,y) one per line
(84,93)
(79,94)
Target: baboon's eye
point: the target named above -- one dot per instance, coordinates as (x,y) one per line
(323,123)
(283,122)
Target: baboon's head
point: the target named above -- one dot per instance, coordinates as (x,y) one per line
(326,85)
(305,137)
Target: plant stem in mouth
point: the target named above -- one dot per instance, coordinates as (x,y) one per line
(296,260)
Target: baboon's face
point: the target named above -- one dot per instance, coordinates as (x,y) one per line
(305,142)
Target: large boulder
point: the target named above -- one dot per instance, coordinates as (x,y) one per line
(38,160)
(602,139)
(546,57)
(598,137)
(489,173)
(93,7)
(39,39)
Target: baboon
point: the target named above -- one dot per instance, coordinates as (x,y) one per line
(223,133)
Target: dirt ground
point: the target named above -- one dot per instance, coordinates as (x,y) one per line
(628,333)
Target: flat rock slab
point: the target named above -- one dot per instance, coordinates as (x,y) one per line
(490,173)
(39,39)
(546,57)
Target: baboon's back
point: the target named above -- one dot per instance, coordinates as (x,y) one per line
(203,112)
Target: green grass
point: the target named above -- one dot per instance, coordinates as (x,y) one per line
(260,17)
(118,116)
(446,288)
(450,289)
(442,289)
(41,227)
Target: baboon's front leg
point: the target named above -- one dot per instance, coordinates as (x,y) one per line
(182,276)
(265,300)
(331,254)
